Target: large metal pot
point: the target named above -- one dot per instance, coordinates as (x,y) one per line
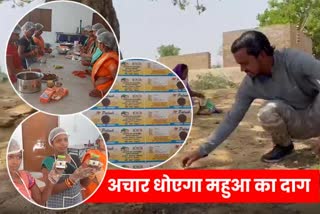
(29,82)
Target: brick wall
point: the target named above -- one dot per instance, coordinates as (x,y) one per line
(194,61)
(300,41)
(281,36)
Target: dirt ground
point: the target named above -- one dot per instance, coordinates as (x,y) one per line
(242,150)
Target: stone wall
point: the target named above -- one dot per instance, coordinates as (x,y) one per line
(281,36)
(194,61)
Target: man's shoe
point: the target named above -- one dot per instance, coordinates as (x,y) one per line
(278,153)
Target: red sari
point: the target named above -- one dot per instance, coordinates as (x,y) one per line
(12,54)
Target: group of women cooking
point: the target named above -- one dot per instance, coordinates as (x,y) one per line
(63,187)
(100,54)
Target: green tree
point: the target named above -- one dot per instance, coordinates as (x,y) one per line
(184,3)
(303,13)
(168,50)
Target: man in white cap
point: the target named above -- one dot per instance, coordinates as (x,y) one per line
(27,49)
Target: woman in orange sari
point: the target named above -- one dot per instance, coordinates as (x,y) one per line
(105,68)
(38,40)
(95,179)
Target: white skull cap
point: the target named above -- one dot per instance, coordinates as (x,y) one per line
(14,147)
(55,133)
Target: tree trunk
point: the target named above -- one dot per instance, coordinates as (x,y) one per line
(106,9)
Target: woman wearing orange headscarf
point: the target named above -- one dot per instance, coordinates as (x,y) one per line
(105,68)
(100,155)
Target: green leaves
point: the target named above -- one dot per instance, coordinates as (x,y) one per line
(182,4)
(303,13)
(168,50)
(209,81)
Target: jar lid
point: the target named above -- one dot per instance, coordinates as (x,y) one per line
(61,157)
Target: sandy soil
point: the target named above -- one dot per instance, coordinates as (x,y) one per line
(242,150)
(245,146)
